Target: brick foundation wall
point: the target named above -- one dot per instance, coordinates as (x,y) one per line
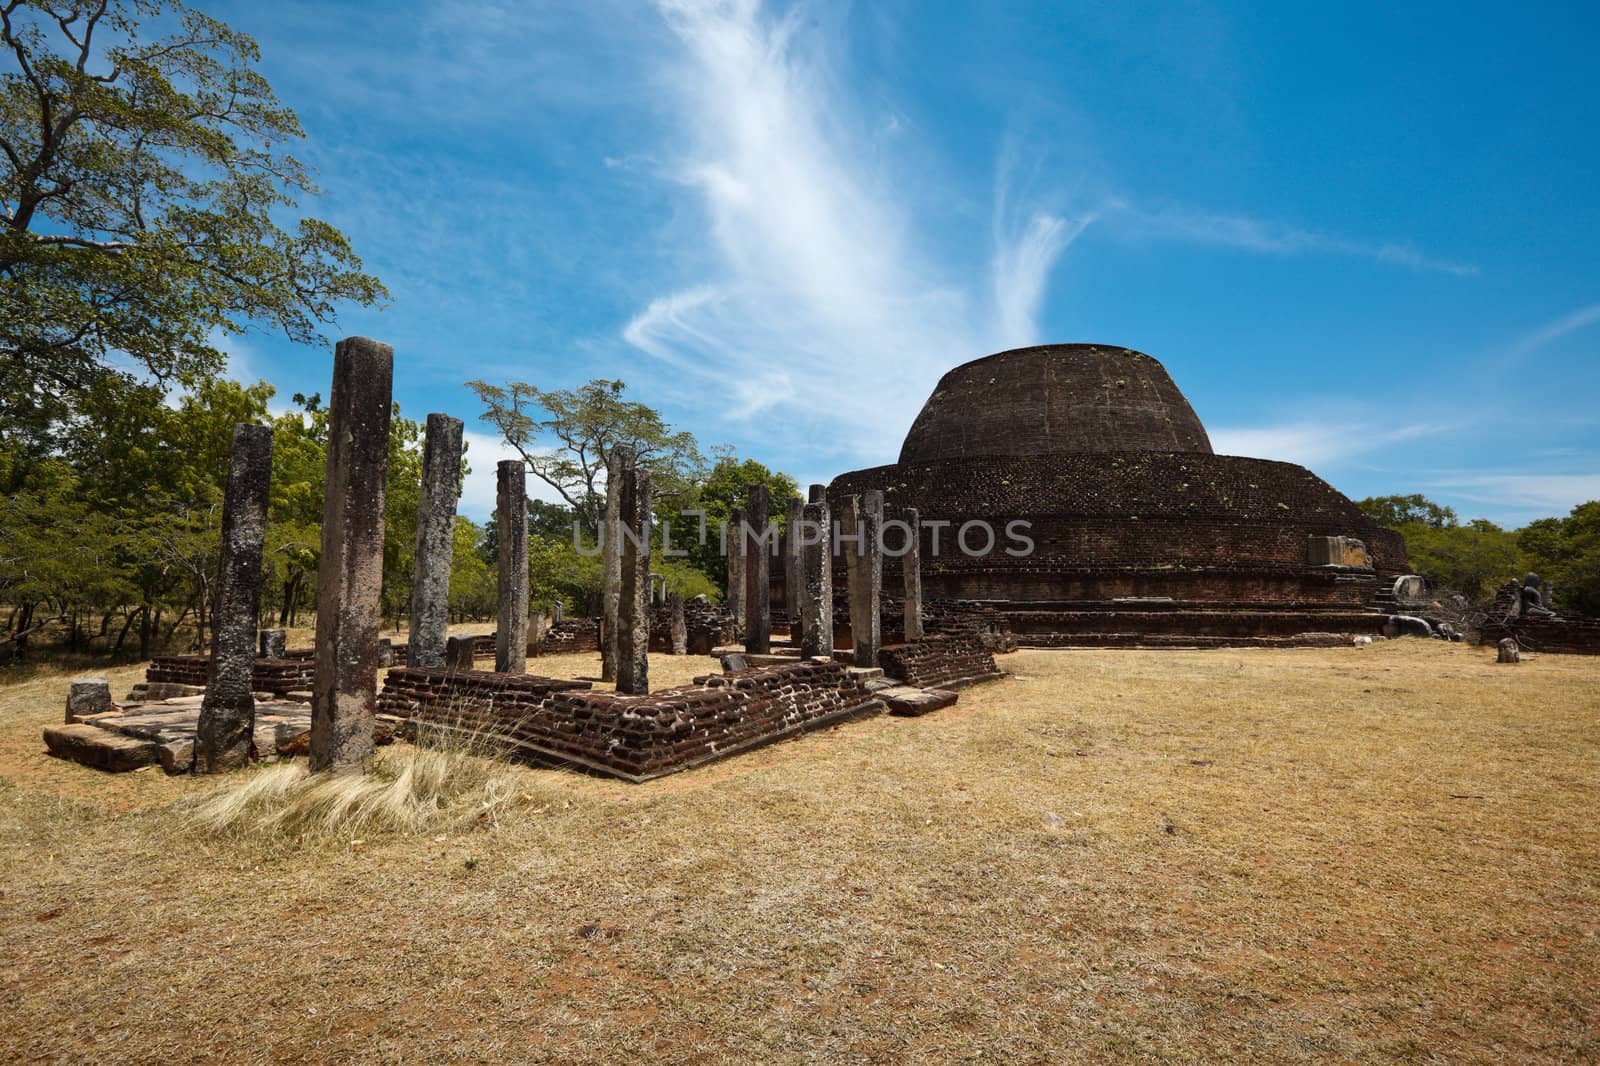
(708,625)
(939,661)
(635,737)
(276,676)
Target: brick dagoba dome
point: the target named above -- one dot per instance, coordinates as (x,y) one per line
(1139,533)
(1055,399)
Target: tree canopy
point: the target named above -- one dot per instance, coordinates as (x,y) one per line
(143,177)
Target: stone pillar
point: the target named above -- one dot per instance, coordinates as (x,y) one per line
(736,562)
(350,576)
(436,538)
(816,566)
(658,590)
(511,509)
(86,696)
(273,644)
(864,570)
(757,572)
(555,612)
(385,652)
(225,734)
(817,494)
(633,607)
(911,575)
(617,463)
(678,634)
(458,654)
(793,594)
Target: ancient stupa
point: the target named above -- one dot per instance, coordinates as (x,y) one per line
(1141,534)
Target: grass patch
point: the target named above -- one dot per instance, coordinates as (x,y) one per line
(445,784)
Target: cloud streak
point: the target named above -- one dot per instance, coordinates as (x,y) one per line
(814,274)
(1315,444)
(1271,238)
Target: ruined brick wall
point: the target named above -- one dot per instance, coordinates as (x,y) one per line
(480,700)
(937,661)
(708,625)
(572,635)
(1149,625)
(276,676)
(633,736)
(1565,636)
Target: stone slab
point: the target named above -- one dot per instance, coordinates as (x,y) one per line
(908,702)
(99,748)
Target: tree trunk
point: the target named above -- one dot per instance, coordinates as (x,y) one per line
(116,649)
(144,633)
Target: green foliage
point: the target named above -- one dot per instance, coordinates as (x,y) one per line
(722,490)
(566,436)
(1392,512)
(1566,552)
(472,579)
(144,177)
(1473,559)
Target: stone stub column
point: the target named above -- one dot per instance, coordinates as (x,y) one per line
(86,696)
(736,564)
(225,733)
(436,537)
(272,644)
(678,633)
(633,601)
(864,573)
(618,462)
(350,576)
(816,568)
(793,594)
(817,494)
(511,511)
(555,612)
(757,571)
(458,654)
(911,575)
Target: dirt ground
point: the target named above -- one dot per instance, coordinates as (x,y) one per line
(1375,853)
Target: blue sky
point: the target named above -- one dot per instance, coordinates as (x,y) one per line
(1360,239)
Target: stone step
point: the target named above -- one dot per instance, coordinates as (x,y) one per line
(101,749)
(908,702)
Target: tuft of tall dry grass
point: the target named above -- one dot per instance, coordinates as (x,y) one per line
(449,783)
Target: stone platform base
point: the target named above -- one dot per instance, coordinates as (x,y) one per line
(1178,626)
(136,736)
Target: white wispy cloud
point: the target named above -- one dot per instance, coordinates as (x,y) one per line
(1315,443)
(1554,330)
(1267,237)
(1554,494)
(818,293)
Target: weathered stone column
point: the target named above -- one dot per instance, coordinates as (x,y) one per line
(817,494)
(555,612)
(436,538)
(816,567)
(757,572)
(864,570)
(458,654)
(793,594)
(678,633)
(617,463)
(272,644)
(350,575)
(511,510)
(223,739)
(911,575)
(633,601)
(736,563)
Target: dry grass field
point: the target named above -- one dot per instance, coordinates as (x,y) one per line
(1370,853)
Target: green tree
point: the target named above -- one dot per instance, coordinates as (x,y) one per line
(143,179)
(721,491)
(1392,512)
(566,436)
(1566,552)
